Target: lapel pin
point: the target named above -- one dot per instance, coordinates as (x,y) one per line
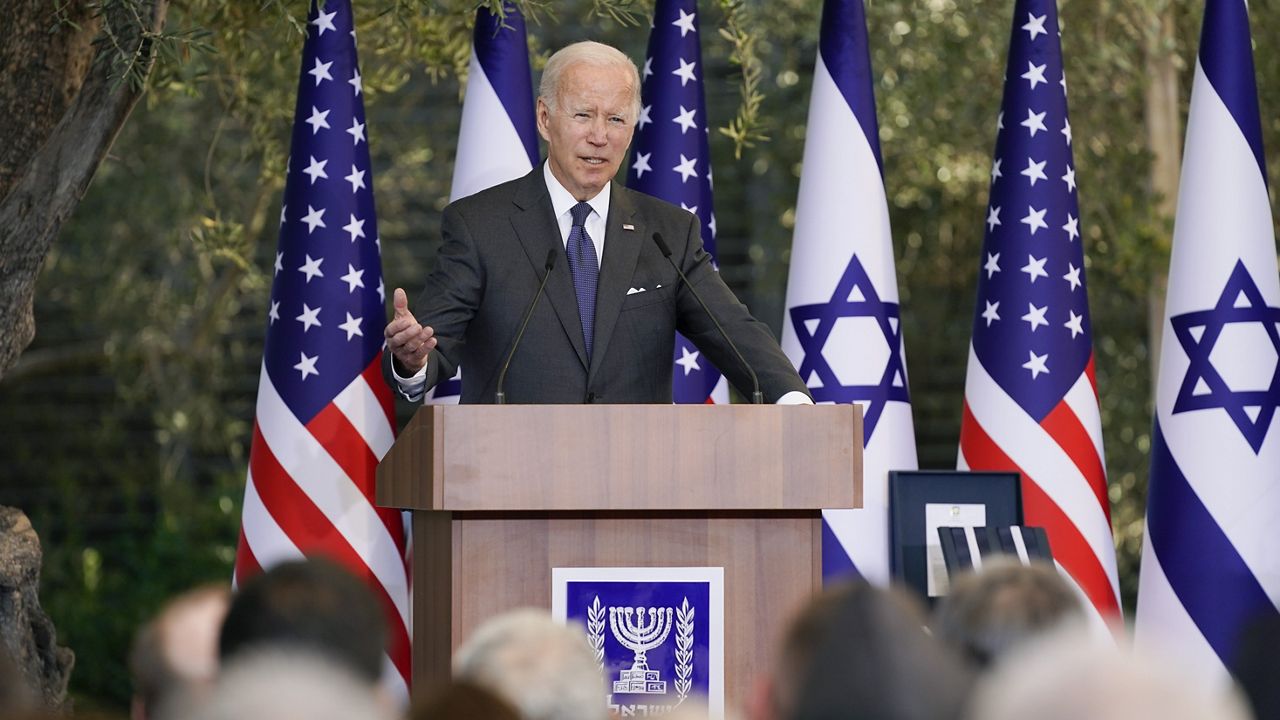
(628,226)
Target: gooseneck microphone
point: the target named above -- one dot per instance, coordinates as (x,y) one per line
(499,397)
(757,397)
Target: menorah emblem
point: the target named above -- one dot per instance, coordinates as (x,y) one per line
(630,627)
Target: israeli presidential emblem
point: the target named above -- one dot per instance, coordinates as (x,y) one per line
(658,633)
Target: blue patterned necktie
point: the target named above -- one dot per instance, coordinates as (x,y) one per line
(585,267)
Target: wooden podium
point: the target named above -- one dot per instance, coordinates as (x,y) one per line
(501,494)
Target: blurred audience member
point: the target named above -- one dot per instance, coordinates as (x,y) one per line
(1068,675)
(1257,666)
(176,652)
(464,701)
(545,669)
(272,684)
(991,611)
(861,652)
(311,605)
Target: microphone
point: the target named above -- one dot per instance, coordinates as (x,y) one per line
(757,397)
(499,397)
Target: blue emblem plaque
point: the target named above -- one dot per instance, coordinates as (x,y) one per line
(658,633)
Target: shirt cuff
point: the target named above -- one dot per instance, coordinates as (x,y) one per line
(795,397)
(412,388)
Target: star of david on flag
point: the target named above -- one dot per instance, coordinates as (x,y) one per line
(498,137)
(324,414)
(1205,385)
(671,160)
(842,327)
(854,297)
(1211,556)
(1031,402)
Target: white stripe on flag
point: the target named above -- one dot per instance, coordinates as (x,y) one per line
(327,485)
(489,148)
(1084,405)
(362,409)
(841,188)
(393,684)
(1162,625)
(269,544)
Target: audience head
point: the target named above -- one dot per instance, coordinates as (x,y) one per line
(176,652)
(1255,666)
(464,701)
(993,610)
(1066,675)
(311,605)
(859,651)
(274,684)
(546,670)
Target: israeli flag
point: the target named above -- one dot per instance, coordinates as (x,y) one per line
(1211,560)
(842,327)
(498,137)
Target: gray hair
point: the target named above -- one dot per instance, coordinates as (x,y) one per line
(546,670)
(590,53)
(1067,674)
(288,685)
(995,609)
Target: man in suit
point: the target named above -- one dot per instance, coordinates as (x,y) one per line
(605,331)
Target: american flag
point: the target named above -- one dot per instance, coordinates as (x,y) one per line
(842,328)
(1211,559)
(498,137)
(672,160)
(1031,401)
(324,413)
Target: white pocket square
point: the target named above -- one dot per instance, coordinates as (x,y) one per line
(633,291)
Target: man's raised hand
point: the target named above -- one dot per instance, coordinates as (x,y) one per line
(408,341)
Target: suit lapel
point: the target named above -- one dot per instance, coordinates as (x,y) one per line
(621,251)
(534,224)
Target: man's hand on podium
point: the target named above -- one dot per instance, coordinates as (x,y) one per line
(408,341)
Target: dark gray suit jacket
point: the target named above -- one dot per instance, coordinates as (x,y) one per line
(495,246)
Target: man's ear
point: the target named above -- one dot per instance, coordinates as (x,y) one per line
(543,114)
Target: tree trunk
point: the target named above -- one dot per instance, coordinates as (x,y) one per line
(62,103)
(1164,138)
(27,634)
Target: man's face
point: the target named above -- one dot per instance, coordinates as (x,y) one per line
(588,132)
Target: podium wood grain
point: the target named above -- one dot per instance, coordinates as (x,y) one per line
(504,494)
(594,457)
(772,565)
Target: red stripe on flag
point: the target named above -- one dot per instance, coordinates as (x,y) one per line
(1069,546)
(1065,429)
(335,433)
(247,564)
(313,534)
(1091,372)
(378,383)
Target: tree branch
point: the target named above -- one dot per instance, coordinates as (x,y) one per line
(57,176)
